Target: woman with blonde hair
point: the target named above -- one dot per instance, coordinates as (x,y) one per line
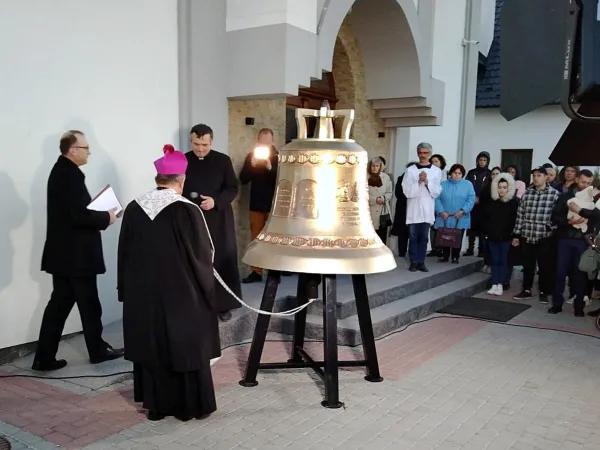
(380,194)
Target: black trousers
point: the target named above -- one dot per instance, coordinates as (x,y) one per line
(382,232)
(542,254)
(67,292)
(403,241)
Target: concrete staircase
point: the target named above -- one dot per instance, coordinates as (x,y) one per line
(394,306)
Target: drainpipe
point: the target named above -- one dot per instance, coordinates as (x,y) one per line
(469,78)
(184,29)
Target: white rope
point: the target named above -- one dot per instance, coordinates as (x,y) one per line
(290,312)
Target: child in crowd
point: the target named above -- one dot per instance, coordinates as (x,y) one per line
(500,214)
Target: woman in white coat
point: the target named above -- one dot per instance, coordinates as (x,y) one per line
(380,194)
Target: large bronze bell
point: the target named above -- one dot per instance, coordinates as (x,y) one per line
(320,220)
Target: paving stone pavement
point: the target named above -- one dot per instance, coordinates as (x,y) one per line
(449,383)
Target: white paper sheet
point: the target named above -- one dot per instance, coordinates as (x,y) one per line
(105,201)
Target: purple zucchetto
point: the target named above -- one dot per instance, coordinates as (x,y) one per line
(172,163)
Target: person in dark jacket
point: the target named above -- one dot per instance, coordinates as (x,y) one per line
(261,172)
(478,176)
(499,215)
(572,242)
(484,197)
(439,161)
(551,177)
(73,256)
(399,227)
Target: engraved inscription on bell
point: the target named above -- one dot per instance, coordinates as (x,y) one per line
(304,201)
(283,199)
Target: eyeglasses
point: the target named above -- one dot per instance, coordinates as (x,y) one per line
(87,149)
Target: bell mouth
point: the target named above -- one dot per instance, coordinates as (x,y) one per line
(340,261)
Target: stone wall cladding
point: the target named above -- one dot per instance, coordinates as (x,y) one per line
(351,91)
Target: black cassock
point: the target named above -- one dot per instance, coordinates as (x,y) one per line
(213,176)
(170,324)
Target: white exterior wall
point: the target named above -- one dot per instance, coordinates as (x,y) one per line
(539,130)
(107,68)
(447,67)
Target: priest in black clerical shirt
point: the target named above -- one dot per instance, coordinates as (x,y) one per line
(211,183)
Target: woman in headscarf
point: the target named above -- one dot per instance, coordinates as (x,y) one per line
(380,194)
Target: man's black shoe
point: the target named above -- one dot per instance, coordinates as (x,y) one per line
(523,295)
(226,316)
(47,366)
(109,354)
(594,313)
(554,310)
(579,313)
(413,267)
(421,267)
(544,298)
(252,278)
(469,252)
(155,416)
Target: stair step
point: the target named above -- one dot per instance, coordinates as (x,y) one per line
(394,315)
(388,289)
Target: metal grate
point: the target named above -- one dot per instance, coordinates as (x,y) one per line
(4,444)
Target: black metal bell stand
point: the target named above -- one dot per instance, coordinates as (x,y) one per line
(327,369)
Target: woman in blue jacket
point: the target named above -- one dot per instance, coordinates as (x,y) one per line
(453,207)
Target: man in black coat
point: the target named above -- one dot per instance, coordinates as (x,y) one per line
(572,242)
(73,256)
(479,176)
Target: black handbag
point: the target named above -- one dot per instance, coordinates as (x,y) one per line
(385,219)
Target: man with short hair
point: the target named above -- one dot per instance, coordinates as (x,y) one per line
(261,173)
(73,256)
(211,184)
(421,186)
(534,233)
(571,245)
(551,177)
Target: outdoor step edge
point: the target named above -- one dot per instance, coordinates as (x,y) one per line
(349,332)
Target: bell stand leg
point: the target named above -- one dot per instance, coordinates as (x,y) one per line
(366,328)
(261,329)
(299,319)
(330,342)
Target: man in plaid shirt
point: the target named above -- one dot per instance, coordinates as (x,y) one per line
(533,233)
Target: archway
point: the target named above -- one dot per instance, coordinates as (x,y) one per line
(395,56)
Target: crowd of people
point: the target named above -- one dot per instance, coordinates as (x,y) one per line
(537,223)
(175,235)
